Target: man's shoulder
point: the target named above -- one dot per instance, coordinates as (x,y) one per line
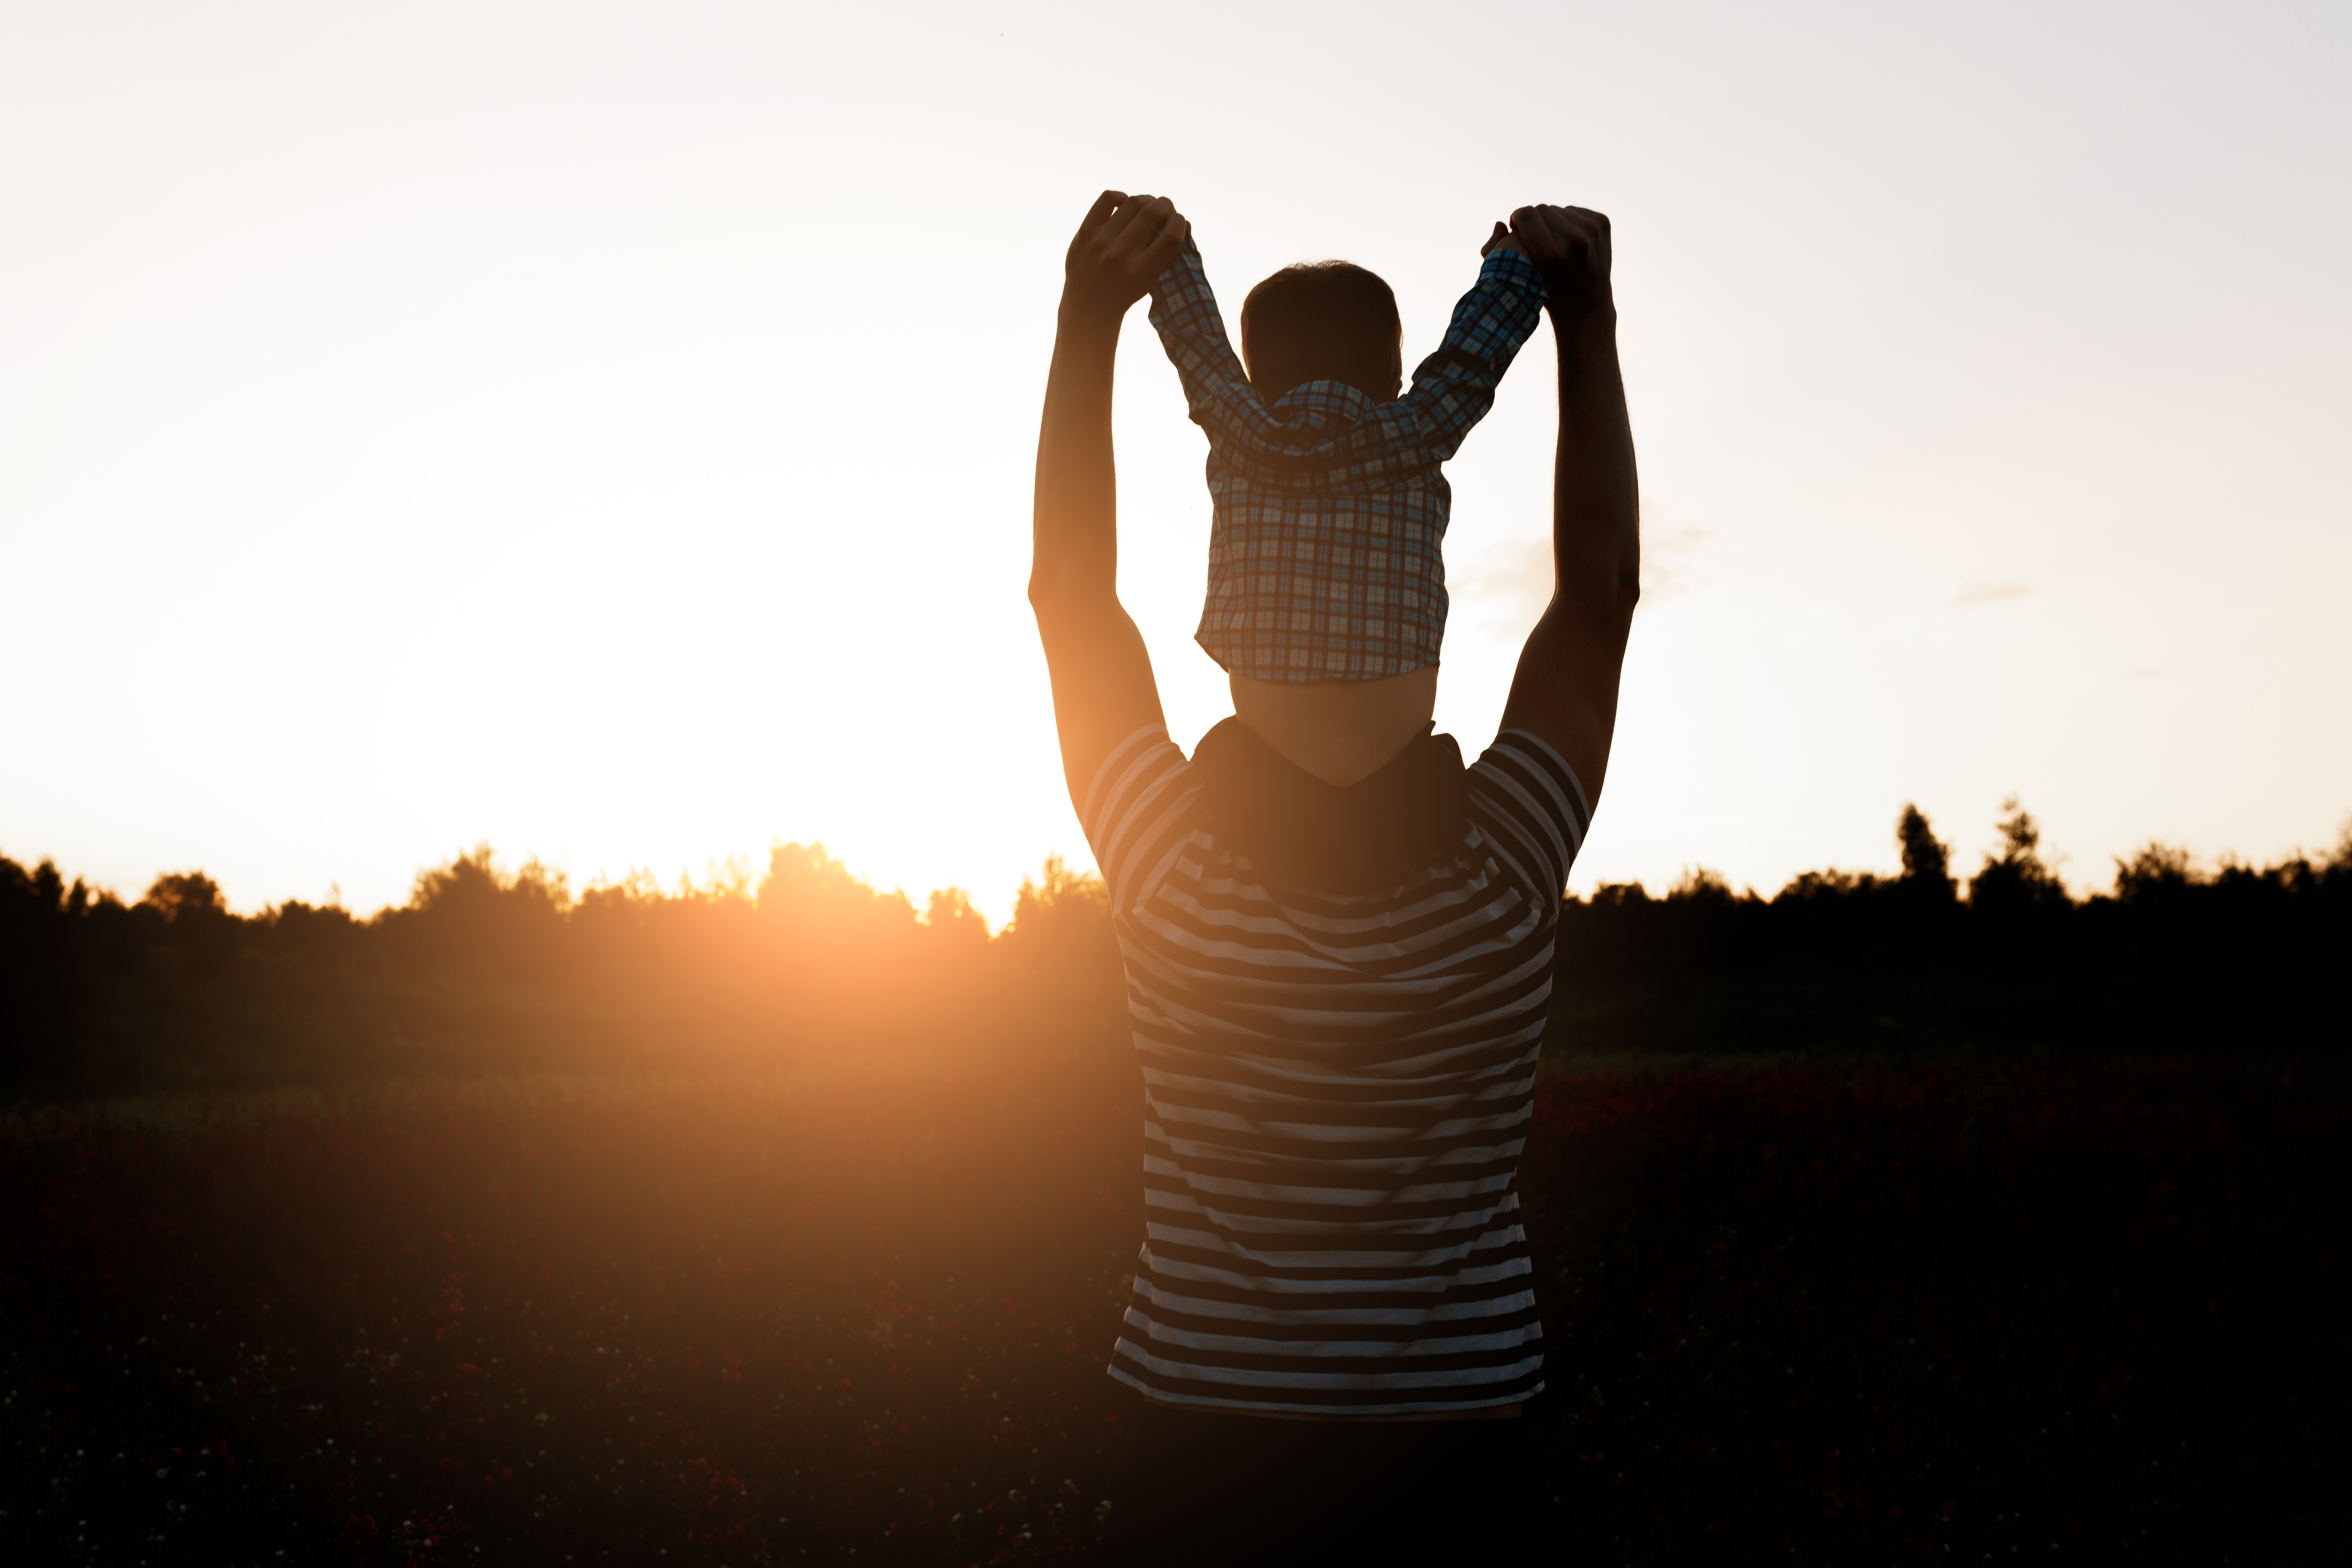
(1133,793)
(1528,759)
(1527,794)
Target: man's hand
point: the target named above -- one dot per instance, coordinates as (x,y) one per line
(1570,246)
(1124,243)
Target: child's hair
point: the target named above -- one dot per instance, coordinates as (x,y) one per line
(1321,321)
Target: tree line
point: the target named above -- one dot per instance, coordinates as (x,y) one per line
(484,967)
(2013,914)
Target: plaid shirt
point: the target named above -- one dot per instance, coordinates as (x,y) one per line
(1324,558)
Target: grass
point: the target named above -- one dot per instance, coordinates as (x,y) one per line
(1898,1309)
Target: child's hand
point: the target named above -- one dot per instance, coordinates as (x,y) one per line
(1124,243)
(1502,239)
(1570,246)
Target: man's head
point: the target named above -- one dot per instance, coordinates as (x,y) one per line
(1323,320)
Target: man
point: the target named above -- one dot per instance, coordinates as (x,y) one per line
(1338,983)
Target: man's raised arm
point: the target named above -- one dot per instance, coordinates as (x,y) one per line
(1103,688)
(1565,691)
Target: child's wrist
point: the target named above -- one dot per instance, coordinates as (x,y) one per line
(1510,260)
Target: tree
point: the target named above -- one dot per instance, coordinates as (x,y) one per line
(2018,877)
(2156,871)
(953,922)
(818,904)
(185,894)
(1061,928)
(1702,885)
(40,1022)
(472,914)
(1926,859)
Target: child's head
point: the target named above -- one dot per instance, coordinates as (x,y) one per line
(1323,320)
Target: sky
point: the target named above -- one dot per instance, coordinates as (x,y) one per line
(606,431)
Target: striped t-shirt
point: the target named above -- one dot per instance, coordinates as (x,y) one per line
(1337,1091)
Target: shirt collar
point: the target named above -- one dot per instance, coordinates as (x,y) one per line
(1322,405)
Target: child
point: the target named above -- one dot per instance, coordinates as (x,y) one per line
(1325,559)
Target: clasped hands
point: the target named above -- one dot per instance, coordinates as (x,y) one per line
(1570,246)
(1126,241)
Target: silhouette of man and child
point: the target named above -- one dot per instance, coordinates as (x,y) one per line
(1337,938)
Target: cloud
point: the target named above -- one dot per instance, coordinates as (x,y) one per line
(1510,583)
(1974,594)
(1670,561)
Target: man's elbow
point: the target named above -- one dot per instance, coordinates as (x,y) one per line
(1050,576)
(1056,599)
(1603,597)
(1047,603)
(1629,589)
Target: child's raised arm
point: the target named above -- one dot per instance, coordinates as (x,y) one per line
(1454,388)
(1217,390)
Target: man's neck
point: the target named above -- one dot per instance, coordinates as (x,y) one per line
(1342,731)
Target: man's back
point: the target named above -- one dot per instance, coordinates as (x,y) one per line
(1337,1087)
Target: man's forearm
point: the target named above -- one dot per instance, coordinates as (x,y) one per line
(1075,538)
(1596,496)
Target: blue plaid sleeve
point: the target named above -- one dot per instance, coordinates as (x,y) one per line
(1454,388)
(1217,390)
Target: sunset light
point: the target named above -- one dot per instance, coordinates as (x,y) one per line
(609,437)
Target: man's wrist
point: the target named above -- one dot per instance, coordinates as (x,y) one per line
(1080,313)
(1590,323)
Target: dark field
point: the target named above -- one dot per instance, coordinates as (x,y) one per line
(1888,1311)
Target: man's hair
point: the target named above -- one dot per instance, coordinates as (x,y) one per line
(1321,321)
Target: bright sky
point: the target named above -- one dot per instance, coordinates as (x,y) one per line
(606,430)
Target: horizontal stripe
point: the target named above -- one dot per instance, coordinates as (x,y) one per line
(1296,1374)
(1324,1402)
